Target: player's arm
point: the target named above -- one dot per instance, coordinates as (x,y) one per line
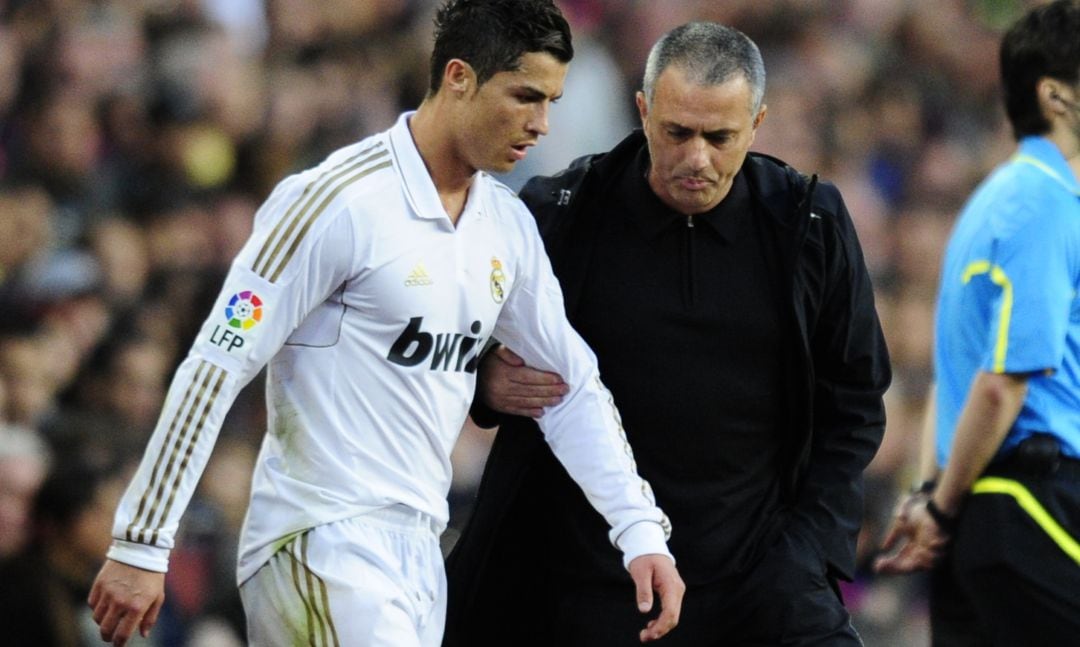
(899,538)
(507,385)
(264,298)
(992,406)
(586,435)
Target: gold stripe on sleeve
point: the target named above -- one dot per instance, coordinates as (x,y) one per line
(130,534)
(200,394)
(296,203)
(296,218)
(209,405)
(318,212)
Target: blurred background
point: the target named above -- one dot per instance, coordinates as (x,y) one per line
(138,137)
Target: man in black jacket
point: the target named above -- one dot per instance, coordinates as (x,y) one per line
(727,300)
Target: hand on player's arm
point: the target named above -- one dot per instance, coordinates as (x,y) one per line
(124,598)
(510,387)
(657,573)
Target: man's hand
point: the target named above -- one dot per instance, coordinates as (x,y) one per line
(918,539)
(508,386)
(125,597)
(657,572)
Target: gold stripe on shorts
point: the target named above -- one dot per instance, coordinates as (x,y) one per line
(295,563)
(312,590)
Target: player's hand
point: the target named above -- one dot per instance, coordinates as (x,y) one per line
(914,541)
(125,598)
(508,386)
(657,573)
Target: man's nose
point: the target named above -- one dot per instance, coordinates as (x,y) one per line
(538,124)
(697,153)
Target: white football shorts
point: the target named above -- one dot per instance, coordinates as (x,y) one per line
(372,580)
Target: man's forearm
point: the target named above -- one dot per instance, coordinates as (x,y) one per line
(928,467)
(993,403)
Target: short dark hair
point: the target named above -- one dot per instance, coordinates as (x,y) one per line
(1045,42)
(493,35)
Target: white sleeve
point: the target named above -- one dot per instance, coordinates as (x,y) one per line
(584,430)
(285,270)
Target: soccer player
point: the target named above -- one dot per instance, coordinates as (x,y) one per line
(369,286)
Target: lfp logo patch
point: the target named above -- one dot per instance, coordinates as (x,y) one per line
(244,310)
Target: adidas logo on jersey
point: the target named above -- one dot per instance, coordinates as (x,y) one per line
(448,351)
(417,277)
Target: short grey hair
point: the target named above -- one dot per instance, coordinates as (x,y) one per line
(710,54)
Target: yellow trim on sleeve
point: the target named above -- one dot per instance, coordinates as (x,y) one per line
(1029,504)
(999,278)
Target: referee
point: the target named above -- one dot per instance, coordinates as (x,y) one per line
(1002,525)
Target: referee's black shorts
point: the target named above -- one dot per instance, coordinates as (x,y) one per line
(1012,575)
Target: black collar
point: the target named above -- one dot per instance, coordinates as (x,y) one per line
(652,216)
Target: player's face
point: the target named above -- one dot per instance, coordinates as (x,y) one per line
(698,138)
(509,113)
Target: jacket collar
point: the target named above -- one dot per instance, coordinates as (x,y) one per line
(652,216)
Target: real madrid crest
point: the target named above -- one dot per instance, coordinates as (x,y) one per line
(498,281)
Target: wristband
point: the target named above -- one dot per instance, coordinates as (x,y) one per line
(926,487)
(944,521)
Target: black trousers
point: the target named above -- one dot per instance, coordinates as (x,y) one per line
(786,599)
(1008,579)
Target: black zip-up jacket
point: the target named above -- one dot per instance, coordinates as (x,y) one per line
(835,376)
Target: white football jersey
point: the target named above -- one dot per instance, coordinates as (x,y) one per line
(371,309)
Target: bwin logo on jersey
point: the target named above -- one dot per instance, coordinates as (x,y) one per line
(448,351)
(498,281)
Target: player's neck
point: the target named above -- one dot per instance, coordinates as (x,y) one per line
(1065,134)
(450,173)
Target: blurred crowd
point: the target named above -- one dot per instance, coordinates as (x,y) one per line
(138,137)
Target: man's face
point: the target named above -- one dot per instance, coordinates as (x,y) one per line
(698,138)
(509,112)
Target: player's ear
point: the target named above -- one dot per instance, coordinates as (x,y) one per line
(459,78)
(642,106)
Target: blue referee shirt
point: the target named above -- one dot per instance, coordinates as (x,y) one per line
(1008,299)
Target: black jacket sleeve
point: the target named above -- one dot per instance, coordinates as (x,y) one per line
(850,375)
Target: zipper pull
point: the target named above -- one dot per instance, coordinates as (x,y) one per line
(690,222)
